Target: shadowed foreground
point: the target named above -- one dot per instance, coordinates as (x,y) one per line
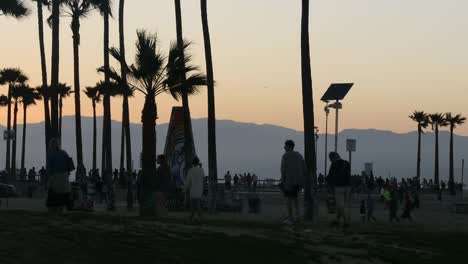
(27,237)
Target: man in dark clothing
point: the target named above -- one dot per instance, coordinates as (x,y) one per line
(293,174)
(339,177)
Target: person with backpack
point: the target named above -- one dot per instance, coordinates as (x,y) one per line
(339,176)
(293,173)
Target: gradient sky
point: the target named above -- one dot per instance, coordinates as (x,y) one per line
(402,55)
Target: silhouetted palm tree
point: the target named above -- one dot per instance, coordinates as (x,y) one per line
(40,23)
(55,61)
(105,9)
(28,98)
(151,75)
(64,91)
(94,95)
(212,157)
(308,112)
(437,120)
(17,93)
(453,122)
(12,77)
(14,8)
(188,138)
(78,9)
(422,119)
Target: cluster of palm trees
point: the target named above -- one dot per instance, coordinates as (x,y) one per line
(152,73)
(436,121)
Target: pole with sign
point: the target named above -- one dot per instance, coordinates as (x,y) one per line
(350,147)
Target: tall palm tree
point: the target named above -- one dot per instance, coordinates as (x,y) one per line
(94,95)
(188,140)
(453,121)
(308,112)
(212,157)
(55,61)
(64,91)
(14,8)
(12,77)
(125,107)
(78,9)
(3,101)
(40,23)
(437,120)
(152,76)
(17,93)
(422,119)
(28,98)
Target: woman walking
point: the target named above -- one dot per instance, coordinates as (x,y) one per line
(59,167)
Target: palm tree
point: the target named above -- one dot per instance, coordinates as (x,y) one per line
(17,93)
(94,95)
(453,122)
(28,98)
(12,77)
(64,91)
(212,159)
(55,61)
(422,119)
(437,120)
(40,22)
(14,8)
(308,112)
(78,9)
(152,76)
(188,140)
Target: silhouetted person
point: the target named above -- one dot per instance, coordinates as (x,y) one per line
(340,177)
(293,173)
(163,179)
(59,167)
(194,187)
(227,180)
(32,174)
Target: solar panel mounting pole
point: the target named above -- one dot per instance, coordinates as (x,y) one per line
(327,112)
(336,126)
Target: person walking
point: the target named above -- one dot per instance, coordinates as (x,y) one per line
(194,187)
(163,179)
(407,207)
(59,167)
(340,181)
(293,173)
(370,208)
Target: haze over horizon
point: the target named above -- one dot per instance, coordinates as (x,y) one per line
(402,55)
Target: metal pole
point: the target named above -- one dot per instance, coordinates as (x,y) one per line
(463,172)
(327,112)
(336,126)
(350,164)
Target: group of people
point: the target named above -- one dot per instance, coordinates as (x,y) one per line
(242,179)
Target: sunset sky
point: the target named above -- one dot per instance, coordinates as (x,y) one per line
(402,56)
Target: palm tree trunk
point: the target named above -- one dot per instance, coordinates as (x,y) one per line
(122,145)
(76,70)
(149,114)
(308,112)
(55,68)
(13,151)
(212,157)
(451,175)
(8,147)
(60,117)
(94,138)
(107,132)
(23,146)
(418,169)
(436,162)
(44,72)
(188,141)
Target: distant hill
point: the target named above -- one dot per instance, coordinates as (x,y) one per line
(245,147)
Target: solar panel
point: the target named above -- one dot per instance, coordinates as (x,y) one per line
(337,91)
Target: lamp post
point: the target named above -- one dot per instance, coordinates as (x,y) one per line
(463,172)
(337,106)
(327,112)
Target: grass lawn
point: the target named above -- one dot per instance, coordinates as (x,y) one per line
(27,237)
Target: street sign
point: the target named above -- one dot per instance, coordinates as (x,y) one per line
(351,145)
(368,168)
